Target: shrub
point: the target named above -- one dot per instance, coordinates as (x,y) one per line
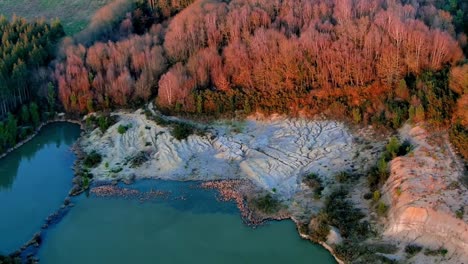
(102,121)
(92,159)
(412,249)
(139,159)
(382,209)
(319,228)
(315,183)
(343,215)
(368,196)
(350,250)
(459,138)
(398,191)
(460,212)
(267,204)
(342,177)
(376,196)
(435,252)
(85,182)
(392,147)
(122,129)
(182,130)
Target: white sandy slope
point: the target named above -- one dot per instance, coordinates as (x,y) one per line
(424,191)
(273,154)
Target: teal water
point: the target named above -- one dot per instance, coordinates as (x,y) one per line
(34,180)
(187,226)
(196,229)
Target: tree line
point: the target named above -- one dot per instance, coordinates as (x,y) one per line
(25,52)
(380,62)
(26,87)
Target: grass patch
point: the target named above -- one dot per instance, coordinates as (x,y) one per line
(74,14)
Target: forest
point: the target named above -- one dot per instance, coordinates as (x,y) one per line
(26,50)
(378,62)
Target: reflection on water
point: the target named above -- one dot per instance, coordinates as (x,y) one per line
(34,180)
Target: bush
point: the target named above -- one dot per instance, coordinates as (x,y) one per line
(181,131)
(139,159)
(315,183)
(376,196)
(105,121)
(459,138)
(343,215)
(92,159)
(267,204)
(382,209)
(319,228)
(122,129)
(435,252)
(350,250)
(412,249)
(342,177)
(460,212)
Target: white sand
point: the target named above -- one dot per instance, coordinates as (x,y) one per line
(274,154)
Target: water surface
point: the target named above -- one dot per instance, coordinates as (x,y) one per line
(188,227)
(34,180)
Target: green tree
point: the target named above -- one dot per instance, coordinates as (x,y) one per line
(51,96)
(357,117)
(199,104)
(411,113)
(2,137)
(34,111)
(11,130)
(392,147)
(247,108)
(420,114)
(25,117)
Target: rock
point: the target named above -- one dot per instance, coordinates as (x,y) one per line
(66,201)
(130,179)
(75,190)
(334,237)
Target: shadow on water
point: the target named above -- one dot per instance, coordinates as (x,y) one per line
(34,181)
(56,134)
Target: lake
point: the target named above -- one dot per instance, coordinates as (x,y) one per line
(188,225)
